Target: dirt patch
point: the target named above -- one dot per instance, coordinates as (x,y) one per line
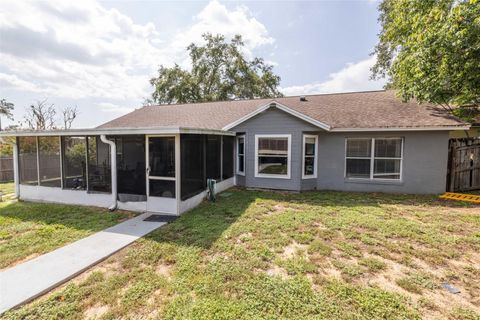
(164,270)
(293,250)
(95,312)
(276,271)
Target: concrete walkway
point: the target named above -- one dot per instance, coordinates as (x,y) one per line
(33,278)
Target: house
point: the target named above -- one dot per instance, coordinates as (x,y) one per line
(158,158)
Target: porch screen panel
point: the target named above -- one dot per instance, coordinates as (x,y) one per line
(192,162)
(213,157)
(74,163)
(27,160)
(228,145)
(49,157)
(99,168)
(131,168)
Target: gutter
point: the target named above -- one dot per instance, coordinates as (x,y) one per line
(113,164)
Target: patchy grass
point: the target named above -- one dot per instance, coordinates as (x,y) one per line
(31,229)
(8,190)
(265,255)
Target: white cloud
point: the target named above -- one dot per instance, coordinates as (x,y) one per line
(81,50)
(113,108)
(353,77)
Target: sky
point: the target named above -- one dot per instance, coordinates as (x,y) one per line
(100,55)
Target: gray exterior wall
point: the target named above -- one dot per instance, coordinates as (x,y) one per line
(424,158)
(274,121)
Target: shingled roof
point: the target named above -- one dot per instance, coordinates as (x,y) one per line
(356,110)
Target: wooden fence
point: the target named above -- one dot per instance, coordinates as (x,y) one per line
(464,164)
(6,168)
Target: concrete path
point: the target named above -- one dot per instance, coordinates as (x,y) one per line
(33,278)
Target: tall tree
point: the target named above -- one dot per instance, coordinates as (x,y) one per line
(430,50)
(41,116)
(6,109)
(220,71)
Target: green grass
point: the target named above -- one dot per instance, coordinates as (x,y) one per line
(8,190)
(265,255)
(31,229)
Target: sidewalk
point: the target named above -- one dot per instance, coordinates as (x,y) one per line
(33,278)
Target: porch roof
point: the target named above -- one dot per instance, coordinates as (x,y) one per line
(114,131)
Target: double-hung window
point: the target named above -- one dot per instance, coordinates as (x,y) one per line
(272,156)
(241,155)
(309,161)
(374,158)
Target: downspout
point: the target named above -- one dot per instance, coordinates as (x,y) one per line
(113,165)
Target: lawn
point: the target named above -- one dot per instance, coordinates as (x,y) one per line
(265,255)
(31,229)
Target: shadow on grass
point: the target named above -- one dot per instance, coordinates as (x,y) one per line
(202,226)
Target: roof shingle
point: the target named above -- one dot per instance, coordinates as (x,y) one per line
(357,110)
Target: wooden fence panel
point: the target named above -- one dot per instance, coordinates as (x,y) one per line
(6,169)
(464,165)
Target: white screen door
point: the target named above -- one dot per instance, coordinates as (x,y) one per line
(161,174)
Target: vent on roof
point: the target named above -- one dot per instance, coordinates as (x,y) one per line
(303,98)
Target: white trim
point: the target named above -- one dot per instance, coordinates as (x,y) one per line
(115,131)
(282,107)
(237,163)
(446,128)
(315,157)
(289,156)
(372,159)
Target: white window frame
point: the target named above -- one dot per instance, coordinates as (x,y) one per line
(237,163)
(289,156)
(315,157)
(372,159)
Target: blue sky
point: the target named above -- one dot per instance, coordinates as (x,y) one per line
(100,55)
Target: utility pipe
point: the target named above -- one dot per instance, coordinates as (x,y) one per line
(113,165)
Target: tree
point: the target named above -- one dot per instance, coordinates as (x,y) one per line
(69,115)
(41,116)
(6,109)
(430,51)
(219,71)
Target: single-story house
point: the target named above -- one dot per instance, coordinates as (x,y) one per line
(158,158)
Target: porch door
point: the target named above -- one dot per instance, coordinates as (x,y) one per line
(161,174)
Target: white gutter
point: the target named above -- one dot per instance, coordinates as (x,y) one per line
(113,168)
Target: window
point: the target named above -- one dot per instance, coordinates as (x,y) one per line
(376,158)
(241,155)
(27,156)
(227,156)
(99,170)
(49,161)
(272,156)
(309,167)
(74,163)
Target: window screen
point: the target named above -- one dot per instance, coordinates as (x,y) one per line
(213,157)
(99,169)
(228,145)
(385,161)
(193,165)
(309,156)
(74,163)
(27,158)
(49,161)
(272,155)
(161,153)
(131,169)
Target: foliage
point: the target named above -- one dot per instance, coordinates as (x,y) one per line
(220,71)
(430,50)
(6,109)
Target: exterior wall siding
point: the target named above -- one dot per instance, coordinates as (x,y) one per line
(424,158)
(274,121)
